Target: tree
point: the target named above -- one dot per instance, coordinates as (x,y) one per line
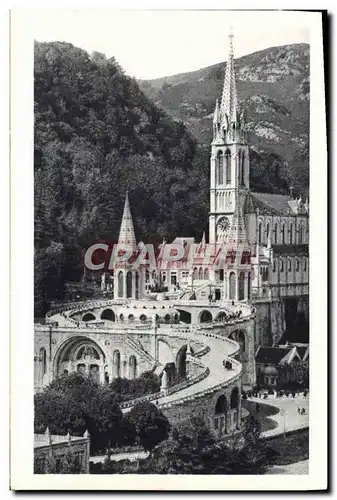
(150,424)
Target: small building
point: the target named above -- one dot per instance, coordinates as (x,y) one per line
(51,451)
(277,366)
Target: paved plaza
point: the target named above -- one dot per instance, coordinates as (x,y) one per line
(288,417)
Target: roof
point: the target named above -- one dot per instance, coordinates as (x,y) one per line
(302,351)
(302,248)
(272,355)
(274,204)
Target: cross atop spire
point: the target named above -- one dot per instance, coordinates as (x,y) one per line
(229,101)
(127,232)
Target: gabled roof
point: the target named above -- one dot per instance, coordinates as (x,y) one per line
(273,355)
(274,204)
(303,352)
(267,203)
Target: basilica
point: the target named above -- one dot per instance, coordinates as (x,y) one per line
(198,321)
(266,237)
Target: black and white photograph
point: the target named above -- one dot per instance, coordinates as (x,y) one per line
(172,194)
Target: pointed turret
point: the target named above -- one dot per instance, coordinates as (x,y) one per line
(237,233)
(127,232)
(216,116)
(229,102)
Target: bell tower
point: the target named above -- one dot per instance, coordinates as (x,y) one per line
(229,181)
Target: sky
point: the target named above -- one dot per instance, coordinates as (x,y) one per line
(151,44)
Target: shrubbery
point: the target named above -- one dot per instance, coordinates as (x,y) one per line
(76,403)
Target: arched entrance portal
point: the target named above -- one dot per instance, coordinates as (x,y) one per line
(132,367)
(80,354)
(220,414)
(108,314)
(116,361)
(205,317)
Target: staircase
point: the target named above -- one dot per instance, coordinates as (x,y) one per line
(139,349)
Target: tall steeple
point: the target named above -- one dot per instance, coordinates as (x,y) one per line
(229,102)
(127,232)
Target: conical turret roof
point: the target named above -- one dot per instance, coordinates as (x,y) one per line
(229,102)
(127,232)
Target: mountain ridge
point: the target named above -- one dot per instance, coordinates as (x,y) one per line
(273,87)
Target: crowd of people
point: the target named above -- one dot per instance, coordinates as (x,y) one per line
(274,393)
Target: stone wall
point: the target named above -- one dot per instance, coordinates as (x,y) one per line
(205,406)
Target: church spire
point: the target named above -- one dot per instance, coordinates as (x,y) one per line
(229,102)
(216,116)
(127,232)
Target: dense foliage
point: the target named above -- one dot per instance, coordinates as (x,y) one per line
(97,135)
(76,403)
(192,449)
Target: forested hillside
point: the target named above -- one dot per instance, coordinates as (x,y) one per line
(97,135)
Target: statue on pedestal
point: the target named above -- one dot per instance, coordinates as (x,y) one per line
(164,381)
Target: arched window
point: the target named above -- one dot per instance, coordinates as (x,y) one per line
(200,273)
(195,273)
(275,234)
(43,359)
(249,286)
(304,264)
(120,284)
(243,168)
(241,287)
(206,273)
(290,234)
(220,168)
(232,287)
(239,164)
(301,235)
(274,266)
(228,167)
(289,264)
(281,265)
(147,276)
(283,234)
(260,233)
(268,231)
(129,284)
(297,265)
